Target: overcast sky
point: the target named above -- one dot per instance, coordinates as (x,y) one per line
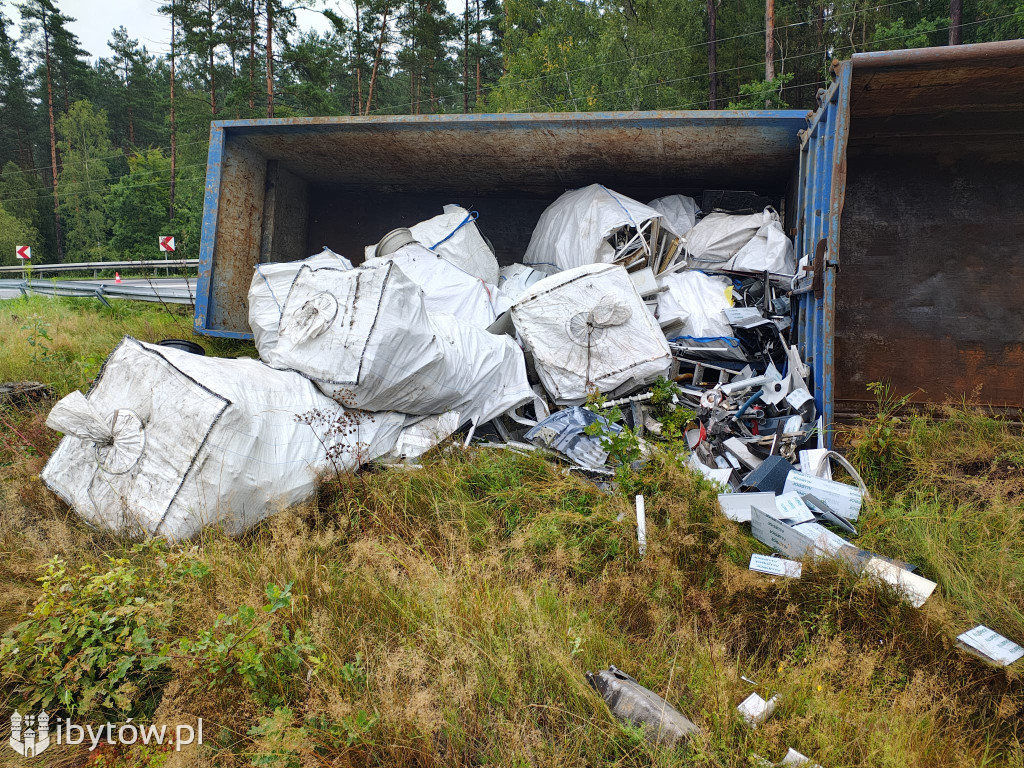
(95,19)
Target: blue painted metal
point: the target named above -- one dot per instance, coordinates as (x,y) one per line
(532,156)
(513,119)
(820,194)
(204,293)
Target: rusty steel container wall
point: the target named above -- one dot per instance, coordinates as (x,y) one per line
(281,189)
(820,192)
(931,266)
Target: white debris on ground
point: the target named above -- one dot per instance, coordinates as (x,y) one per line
(620,318)
(429,339)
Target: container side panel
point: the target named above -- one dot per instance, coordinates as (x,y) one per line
(239,235)
(933,271)
(285,215)
(819,202)
(211,199)
(535,155)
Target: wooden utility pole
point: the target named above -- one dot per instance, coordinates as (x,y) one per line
(769,40)
(270,58)
(174,133)
(359,65)
(712,57)
(53,142)
(956,18)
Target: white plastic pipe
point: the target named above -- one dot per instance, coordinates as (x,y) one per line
(641,525)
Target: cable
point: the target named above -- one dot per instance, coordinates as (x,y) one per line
(110,157)
(47,191)
(534,107)
(638,58)
(192,180)
(63,189)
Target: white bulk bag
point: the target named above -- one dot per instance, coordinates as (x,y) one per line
(365,338)
(588,328)
(741,243)
(693,307)
(697,301)
(769,250)
(269,287)
(454,236)
(167,442)
(573,230)
(447,288)
(679,212)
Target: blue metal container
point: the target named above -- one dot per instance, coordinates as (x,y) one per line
(278,190)
(915,156)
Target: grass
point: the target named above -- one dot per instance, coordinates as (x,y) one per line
(455,609)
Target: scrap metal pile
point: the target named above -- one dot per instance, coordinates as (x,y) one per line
(654,308)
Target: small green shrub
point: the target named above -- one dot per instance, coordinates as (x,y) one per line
(281,743)
(621,442)
(245,648)
(95,640)
(880,451)
(674,418)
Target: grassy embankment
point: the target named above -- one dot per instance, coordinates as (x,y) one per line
(446,616)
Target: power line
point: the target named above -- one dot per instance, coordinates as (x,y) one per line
(108,157)
(75,188)
(663,52)
(703,75)
(185,180)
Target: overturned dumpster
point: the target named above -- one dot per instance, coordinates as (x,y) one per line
(904,204)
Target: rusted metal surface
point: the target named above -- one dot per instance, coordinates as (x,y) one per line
(238,234)
(928,296)
(285,215)
(939,82)
(533,154)
(363,176)
(932,275)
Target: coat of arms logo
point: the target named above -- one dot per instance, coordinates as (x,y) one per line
(30,734)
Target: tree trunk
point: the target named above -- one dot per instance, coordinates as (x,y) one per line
(478,51)
(465,62)
(252,57)
(359,64)
(376,58)
(769,39)
(956,16)
(213,75)
(53,145)
(270,58)
(712,57)
(174,133)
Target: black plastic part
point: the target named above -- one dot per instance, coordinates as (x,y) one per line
(184,345)
(769,477)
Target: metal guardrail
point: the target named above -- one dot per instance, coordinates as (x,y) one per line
(96,266)
(156,292)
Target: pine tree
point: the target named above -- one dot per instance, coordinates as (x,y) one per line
(85,176)
(46,30)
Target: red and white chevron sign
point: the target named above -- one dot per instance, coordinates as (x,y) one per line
(23,252)
(166,243)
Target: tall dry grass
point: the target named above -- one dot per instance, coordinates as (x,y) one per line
(456,608)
